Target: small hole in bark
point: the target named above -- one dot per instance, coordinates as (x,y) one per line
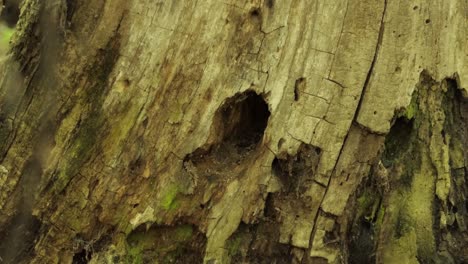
(428,21)
(269,209)
(145,122)
(255,12)
(415,8)
(71,6)
(136,165)
(271,3)
(280,143)
(82,257)
(330,237)
(398,69)
(298,87)
(442,133)
(375,112)
(10,13)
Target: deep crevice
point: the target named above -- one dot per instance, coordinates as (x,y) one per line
(296,175)
(455,108)
(364,231)
(165,244)
(398,140)
(71,7)
(374,60)
(17,237)
(259,243)
(298,87)
(10,13)
(296,171)
(82,257)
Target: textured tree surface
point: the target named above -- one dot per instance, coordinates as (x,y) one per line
(236,131)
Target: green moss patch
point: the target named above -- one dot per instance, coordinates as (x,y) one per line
(168,200)
(165,244)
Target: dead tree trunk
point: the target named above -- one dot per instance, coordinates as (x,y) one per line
(255,131)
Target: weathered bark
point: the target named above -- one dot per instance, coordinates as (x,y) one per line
(235,132)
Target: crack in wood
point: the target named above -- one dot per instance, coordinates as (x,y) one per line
(377,49)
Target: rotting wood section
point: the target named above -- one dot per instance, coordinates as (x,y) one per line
(220,124)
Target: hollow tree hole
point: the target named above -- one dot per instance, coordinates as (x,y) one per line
(71,7)
(238,128)
(82,257)
(398,140)
(242,119)
(10,13)
(8,18)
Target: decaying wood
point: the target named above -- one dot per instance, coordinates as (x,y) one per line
(256,131)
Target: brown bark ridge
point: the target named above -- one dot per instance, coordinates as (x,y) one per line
(257,131)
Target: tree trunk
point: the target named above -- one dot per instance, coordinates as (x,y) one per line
(256,131)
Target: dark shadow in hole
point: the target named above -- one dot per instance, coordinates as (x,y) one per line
(270,3)
(10,13)
(398,140)
(17,239)
(361,245)
(258,243)
(298,86)
(295,171)
(242,119)
(82,257)
(71,6)
(236,133)
(255,12)
(166,244)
